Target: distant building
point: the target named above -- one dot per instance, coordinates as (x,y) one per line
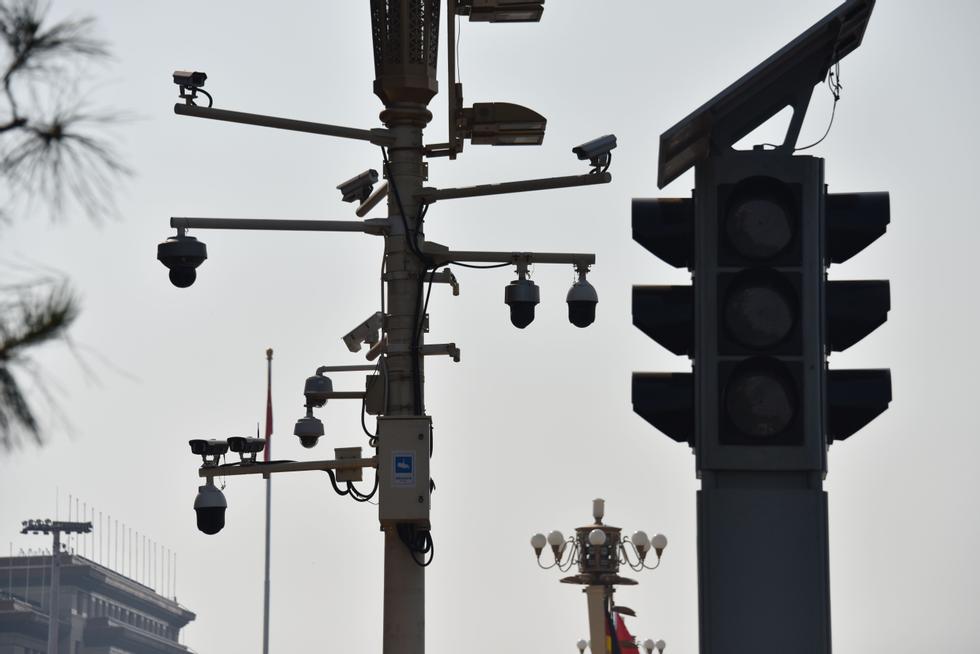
(102,612)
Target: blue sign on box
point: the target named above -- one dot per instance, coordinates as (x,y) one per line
(403,468)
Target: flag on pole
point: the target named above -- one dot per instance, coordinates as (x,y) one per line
(619,640)
(268,408)
(626,640)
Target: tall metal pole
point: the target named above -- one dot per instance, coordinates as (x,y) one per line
(268,503)
(406,38)
(53,609)
(596,598)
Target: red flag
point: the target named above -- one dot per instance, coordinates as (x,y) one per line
(627,642)
(268,408)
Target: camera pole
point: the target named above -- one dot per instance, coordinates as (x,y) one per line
(405,88)
(405,38)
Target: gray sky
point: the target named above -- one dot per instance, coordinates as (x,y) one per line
(532,424)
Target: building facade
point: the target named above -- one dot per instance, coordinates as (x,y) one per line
(100,610)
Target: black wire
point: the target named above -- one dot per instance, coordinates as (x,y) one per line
(833,83)
(333,482)
(419,542)
(208,95)
(357,495)
(372,438)
(425,305)
(601,164)
(412,238)
(426,264)
(469,265)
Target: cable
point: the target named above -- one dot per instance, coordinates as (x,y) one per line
(602,167)
(419,542)
(401,209)
(459,33)
(333,482)
(426,264)
(357,495)
(372,438)
(384,269)
(833,83)
(208,95)
(470,265)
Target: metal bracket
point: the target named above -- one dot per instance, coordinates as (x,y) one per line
(444,277)
(448,349)
(347,454)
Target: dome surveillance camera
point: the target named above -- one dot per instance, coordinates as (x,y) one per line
(522,295)
(317,390)
(309,429)
(582,299)
(182,255)
(210,506)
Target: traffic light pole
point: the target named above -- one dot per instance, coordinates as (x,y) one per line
(760,407)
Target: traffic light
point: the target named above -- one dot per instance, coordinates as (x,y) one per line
(761,316)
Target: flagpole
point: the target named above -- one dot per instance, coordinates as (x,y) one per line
(268,501)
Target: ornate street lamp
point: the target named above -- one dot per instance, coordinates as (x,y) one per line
(599,549)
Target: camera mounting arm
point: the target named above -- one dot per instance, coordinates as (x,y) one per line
(430,195)
(261,468)
(377,136)
(378,226)
(442,255)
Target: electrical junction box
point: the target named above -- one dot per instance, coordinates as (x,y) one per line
(404,444)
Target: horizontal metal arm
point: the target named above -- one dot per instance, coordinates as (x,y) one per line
(376,136)
(323,369)
(260,468)
(442,257)
(430,195)
(344,395)
(370,226)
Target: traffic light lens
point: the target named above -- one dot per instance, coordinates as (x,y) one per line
(759,314)
(760,402)
(759,227)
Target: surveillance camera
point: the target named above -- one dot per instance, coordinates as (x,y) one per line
(368,332)
(597,151)
(582,299)
(182,254)
(521,295)
(317,390)
(309,430)
(246,448)
(358,187)
(244,444)
(208,447)
(210,506)
(209,450)
(595,147)
(189,78)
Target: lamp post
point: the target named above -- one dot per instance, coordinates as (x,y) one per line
(55,528)
(599,550)
(405,36)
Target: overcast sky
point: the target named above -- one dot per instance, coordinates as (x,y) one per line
(531,424)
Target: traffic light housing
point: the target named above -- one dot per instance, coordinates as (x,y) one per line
(761,316)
